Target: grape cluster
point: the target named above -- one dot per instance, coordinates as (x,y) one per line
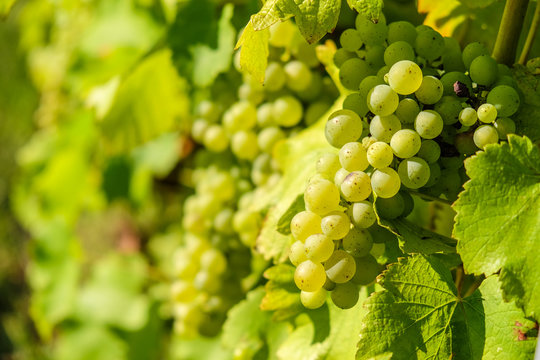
(418,106)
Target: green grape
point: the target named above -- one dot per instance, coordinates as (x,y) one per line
(451,162)
(329,285)
(215,138)
(358,242)
(413,172)
(305,52)
(223,221)
(252,92)
(428,124)
(385,182)
(408,201)
(434,175)
(450,183)
(371,33)
(198,128)
(352,71)
(367,141)
(361,214)
(281,34)
(350,40)
(356,103)
(246,221)
(206,281)
(397,51)
(335,225)
(429,151)
(401,31)
(304,224)
(353,157)
(422,27)
(389,208)
(449,108)
(287,111)
(244,145)
(367,270)
(407,111)
(384,127)
(269,137)
(265,115)
(368,83)
(240,116)
(183,291)
(464,144)
(321,197)
(298,75)
(383,73)
(405,77)
(405,143)
(341,174)
(382,100)
(468,116)
(318,247)
(448,80)
(314,299)
(487,113)
(430,91)
(213,261)
(328,165)
(345,296)
(275,77)
(504,70)
(452,58)
(375,56)
(504,127)
(313,91)
(208,110)
(380,155)
(505,99)
(483,70)
(340,267)
(342,127)
(341,56)
(429,44)
(316,110)
(183,265)
(309,276)
(356,186)
(472,51)
(485,135)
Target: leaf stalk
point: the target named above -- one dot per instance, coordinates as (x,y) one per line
(509,30)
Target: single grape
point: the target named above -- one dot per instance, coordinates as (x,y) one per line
(298,75)
(215,138)
(345,296)
(429,44)
(362,214)
(314,299)
(358,242)
(428,124)
(297,253)
(405,77)
(384,127)
(265,115)
(356,103)
(342,55)
(375,57)
(385,182)
(340,267)
(321,197)
(434,175)
(468,116)
(252,92)
(304,224)
(485,135)
(389,208)
(367,270)
(401,31)
(483,70)
(397,51)
(309,276)
(274,77)
(380,155)
(213,261)
(240,116)
(382,100)
(429,151)
(452,58)
(504,127)
(198,128)
(288,111)
(352,71)
(269,137)
(342,127)
(505,99)
(340,176)
(353,157)
(487,113)
(327,165)
(209,110)
(464,143)
(405,143)
(371,33)
(350,40)
(318,247)
(183,291)
(335,225)
(430,91)
(407,111)
(449,79)
(449,108)
(472,51)
(368,83)
(244,145)
(356,186)
(413,172)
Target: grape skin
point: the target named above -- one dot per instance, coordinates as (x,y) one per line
(309,276)
(405,77)
(382,100)
(385,182)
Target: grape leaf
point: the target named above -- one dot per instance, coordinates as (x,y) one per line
(420,315)
(477,3)
(209,62)
(498,218)
(281,294)
(254,51)
(284,222)
(325,333)
(529,112)
(314,18)
(147,104)
(372,9)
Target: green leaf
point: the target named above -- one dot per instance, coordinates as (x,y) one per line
(284,222)
(420,315)
(281,294)
(90,343)
(325,333)
(198,348)
(372,9)
(208,62)
(254,51)
(498,218)
(314,18)
(474,4)
(148,103)
(159,155)
(529,112)
(5,7)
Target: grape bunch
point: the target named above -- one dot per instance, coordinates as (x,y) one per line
(418,106)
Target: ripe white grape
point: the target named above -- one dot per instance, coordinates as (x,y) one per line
(353,157)
(414,172)
(314,299)
(335,225)
(487,113)
(362,214)
(304,224)
(340,267)
(318,247)
(468,116)
(297,253)
(405,77)
(342,127)
(485,135)
(321,197)
(356,186)
(288,111)
(384,127)
(327,165)
(341,174)
(428,124)
(358,242)
(385,182)
(405,143)
(382,100)
(298,75)
(309,276)
(380,155)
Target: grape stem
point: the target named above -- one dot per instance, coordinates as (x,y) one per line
(430,197)
(459,278)
(530,36)
(509,30)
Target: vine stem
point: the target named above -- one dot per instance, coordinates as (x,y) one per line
(509,31)
(459,278)
(530,36)
(430,197)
